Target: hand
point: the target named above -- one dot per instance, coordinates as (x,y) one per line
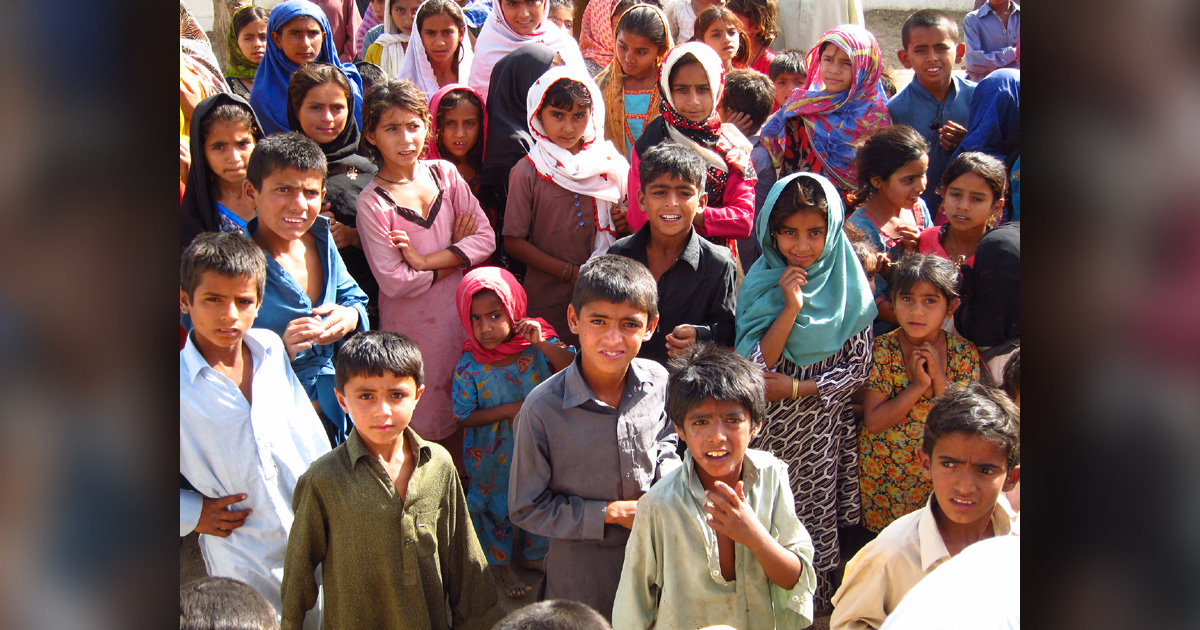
(792,281)
(342,234)
(882,264)
(530,329)
(464,226)
(215,520)
(742,121)
(185,159)
(619,219)
(908,235)
(620,513)
(189,98)
(400,242)
(935,363)
(300,334)
(730,514)
(680,339)
(917,365)
(951,134)
(337,321)
(778,386)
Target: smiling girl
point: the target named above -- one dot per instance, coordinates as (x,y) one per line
(247,43)
(628,83)
(512,24)
(440,54)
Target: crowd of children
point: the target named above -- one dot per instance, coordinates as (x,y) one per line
(713,339)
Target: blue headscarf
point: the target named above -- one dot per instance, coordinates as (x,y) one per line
(268,97)
(995,123)
(837,298)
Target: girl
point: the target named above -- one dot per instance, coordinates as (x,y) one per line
(459,128)
(681,16)
(224,132)
(247,44)
(371,18)
(758,22)
(913,366)
(440,54)
(690,85)
(804,313)
(389,49)
(561,196)
(512,24)
(420,226)
(973,188)
(503,358)
(722,31)
(630,97)
(319,107)
(840,103)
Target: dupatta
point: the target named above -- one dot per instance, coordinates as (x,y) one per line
(497,39)
(416,66)
(512,296)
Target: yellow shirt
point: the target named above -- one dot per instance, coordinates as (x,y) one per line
(374,52)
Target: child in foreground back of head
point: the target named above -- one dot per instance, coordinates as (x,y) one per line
(590,440)
(747,105)
(973,189)
(913,366)
(556,614)
(222,603)
(743,495)
(383,515)
(972,452)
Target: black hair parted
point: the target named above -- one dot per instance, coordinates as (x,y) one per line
(227,253)
(616,279)
(790,61)
(565,94)
(929,18)
(671,158)
(378,353)
(914,268)
(229,113)
(645,22)
(686,59)
(882,153)
(554,614)
(801,194)
(750,92)
(991,170)
(226,603)
(977,410)
(709,372)
(285,150)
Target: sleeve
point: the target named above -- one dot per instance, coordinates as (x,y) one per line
(966,366)
(352,21)
(374,52)
(981,61)
(464,390)
(735,219)
(191,503)
(306,547)
(634,215)
(851,372)
(791,534)
(636,603)
(667,447)
(878,380)
(396,278)
(470,588)
(860,603)
(719,322)
(518,213)
(767,176)
(348,291)
(473,249)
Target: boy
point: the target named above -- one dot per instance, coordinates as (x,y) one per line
(992,32)
(935,103)
(787,72)
(590,440)
(219,602)
(749,93)
(246,427)
(558,614)
(972,452)
(697,290)
(383,515)
(682,566)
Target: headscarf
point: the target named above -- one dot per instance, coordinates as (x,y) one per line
(596,32)
(416,67)
(511,295)
(995,123)
(198,66)
(989,311)
(369,21)
(723,147)
(431,151)
(837,297)
(832,123)
(269,94)
(341,147)
(239,66)
(497,39)
(508,138)
(198,209)
(613,80)
(598,170)
(393,42)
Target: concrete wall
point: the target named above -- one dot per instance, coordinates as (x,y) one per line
(913,5)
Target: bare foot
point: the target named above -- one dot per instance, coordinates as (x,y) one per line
(510,581)
(536,565)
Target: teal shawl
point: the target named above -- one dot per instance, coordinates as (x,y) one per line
(837,298)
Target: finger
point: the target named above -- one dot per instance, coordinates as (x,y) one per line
(740,489)
(226,501)
(232,515)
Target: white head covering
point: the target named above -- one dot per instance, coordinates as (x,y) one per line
(392,40)
(416,67)
(714,69)
(497,39)
(598,170)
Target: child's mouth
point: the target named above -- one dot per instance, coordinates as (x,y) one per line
(670,218)
(294,221)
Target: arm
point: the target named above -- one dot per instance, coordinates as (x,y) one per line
(735,219)
(350,311)
(529,254)
(718,320)
(850,373)
(465,394)
(729,513)
(636,603)
(776,337)
(881,411)
(977,59)
(557,354)
(306,548)
(518,224)
(469,585)
(395,276)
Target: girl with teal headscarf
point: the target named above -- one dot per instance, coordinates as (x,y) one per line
(804,315)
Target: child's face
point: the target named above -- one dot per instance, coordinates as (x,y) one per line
(670,203)
(252,40)
(748,26)
(380,406)
(722,37)
(801,238)
(323,112)
(903,189)
(931,55)
(399,136)
(222,309)
(403,12)
(377,8)
(785,83)
(227,148)
(299,40)
(691,92)
(563,17)
(523,16)
(490,323)
(288,203)
(440,36)
(968,474)
(565,127)
(837,71)
(610,335)
(922,310)
(460,129)
(638,56)
(969,202)
(717,434)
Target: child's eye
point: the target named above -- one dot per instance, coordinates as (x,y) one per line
(597,322)
(365,396)
(816,233)
(988,470)
(947,464)
(905,298)
(246,302)
(474,318)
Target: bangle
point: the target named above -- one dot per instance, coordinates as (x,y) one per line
(795,387)
(565,271)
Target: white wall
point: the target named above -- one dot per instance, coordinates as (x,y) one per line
(913,5)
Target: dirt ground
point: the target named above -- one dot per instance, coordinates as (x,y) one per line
(886,26)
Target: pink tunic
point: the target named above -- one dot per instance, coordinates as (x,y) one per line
(410,302)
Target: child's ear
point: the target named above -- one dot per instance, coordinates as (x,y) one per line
(876,182)
(703,198)
(417,396)
(341,398)
(275,37)
(1012,478)
(650,328)
(249,192)
(572,319)
(926,463)
(369,136)
(959,51)
(184,302)
(723,113)
(952,307)
(903,56)
(642,199)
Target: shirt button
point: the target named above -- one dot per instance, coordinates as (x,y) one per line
(716,573)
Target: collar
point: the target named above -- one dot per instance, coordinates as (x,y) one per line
(576,391)
(641,241)
(195,362)
(923,92)
(752,463)
(358,449)
(319,229)
(933,548)
(1013,9)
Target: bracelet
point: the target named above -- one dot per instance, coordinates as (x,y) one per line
(565,271)
(795,387)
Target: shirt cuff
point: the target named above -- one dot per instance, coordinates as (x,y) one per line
(703,332)
(593,519)
(190,505)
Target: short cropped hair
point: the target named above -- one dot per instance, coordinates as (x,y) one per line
(227,253)
(221,603)
(370,74)
(285,150)
(555,614)
(378,353)
(709,372)
(670,158)
(1012,374)
(928,18)
(790,61)
(617,279)
(913,268)
(749,92)
(978,410)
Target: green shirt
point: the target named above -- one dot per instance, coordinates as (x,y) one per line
(386,562)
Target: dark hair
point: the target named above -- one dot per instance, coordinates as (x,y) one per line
(450,9)
(227,253)
(801,194)
(887,82)
(246,16)
(866,253)
(882,153)
(686,59)
(709,372)
(749,92)
(565,94)
(670,158)
(978,410)
(1012,375)
(987,167)
(617,279)
(285,150)
(914,268)
(228,113)
(371,74)
(621,6)
(385,95)
(555,614)
(928,18)
(645,22)
(309,76)
(378,353)
(790,61)
(710,16)
(760,12)
(449,101)
(221,603)
(563,4)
